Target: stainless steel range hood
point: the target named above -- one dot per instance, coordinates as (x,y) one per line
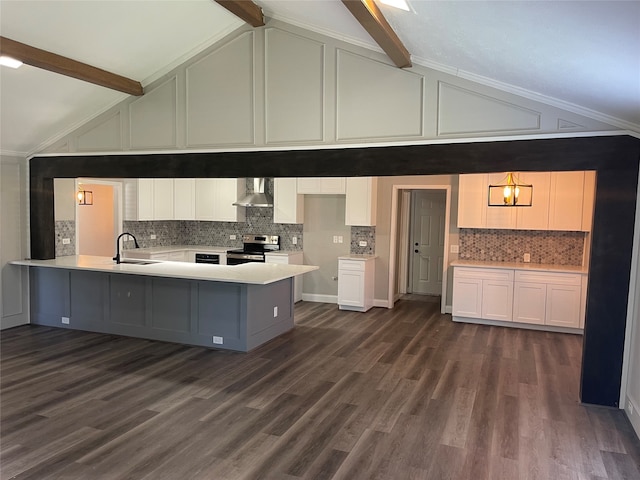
(258,198)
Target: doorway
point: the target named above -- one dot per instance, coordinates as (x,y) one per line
(426,236)
(99,224)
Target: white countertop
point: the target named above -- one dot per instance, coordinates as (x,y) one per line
(250,273)
(173,248)
(521,266)
(357,256)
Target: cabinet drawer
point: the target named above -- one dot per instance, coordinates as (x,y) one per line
(549,277)
(502,274)
(351,265)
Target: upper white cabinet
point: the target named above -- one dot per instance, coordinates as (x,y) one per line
(184,198)
(322,185)
(149,199)
(361,201)
(288,204)
(472,201)
(561,201)
(215,198)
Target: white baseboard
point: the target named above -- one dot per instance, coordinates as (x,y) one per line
(529,326)
(312,297)
(381,303)
(448,309)
(629,407)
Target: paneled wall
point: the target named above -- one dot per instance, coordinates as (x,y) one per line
(281,85)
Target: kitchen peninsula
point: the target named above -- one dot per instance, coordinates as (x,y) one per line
(230,307)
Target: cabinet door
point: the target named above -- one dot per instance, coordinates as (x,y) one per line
(535,217)
(178,256)
(565,201)
(321,185)
(163,199)
(184,198)
(205,198)
(472,201)
(351,288)
(467,297)
(226,191)
(145,199)
(498,217)
(563,305)
(497,300)
(288,206)
(361,201)
(529,303)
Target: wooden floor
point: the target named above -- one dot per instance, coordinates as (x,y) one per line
(391,394)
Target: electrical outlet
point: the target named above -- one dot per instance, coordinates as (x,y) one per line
(218,340)
(362,243)
(275,312)
(454,249)
(335,239)
(66,241)
(294,240)
(153,236)
(232,237)
(65,320)
(339,238)
(527,257)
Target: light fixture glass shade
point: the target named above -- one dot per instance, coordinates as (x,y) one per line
(85,197)
(510,193)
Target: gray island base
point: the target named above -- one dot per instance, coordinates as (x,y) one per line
(211,313)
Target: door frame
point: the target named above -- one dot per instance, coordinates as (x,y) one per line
(408,238)
(393,240)
(117,211)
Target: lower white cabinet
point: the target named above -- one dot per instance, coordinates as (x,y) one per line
(554,299)
(290,258)
(356,282)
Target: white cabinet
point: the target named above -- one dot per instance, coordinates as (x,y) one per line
(554,299)
(535,217)
(184,198)
(290,258)
(288,204)
(149,199)
(547,298)
(561,201)
(215,198)
(565,205)
(472,201)
(322,185)
(483,293)
(361,201)
(355,283)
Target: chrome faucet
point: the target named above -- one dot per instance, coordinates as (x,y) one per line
(117,257)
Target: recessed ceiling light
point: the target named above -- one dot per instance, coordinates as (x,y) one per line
(401,4)
(9,62)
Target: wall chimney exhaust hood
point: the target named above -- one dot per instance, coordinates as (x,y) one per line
(258,198)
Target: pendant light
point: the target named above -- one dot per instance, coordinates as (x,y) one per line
(85,197)
(510,193)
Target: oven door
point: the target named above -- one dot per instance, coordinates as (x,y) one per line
(212,258)
(239,258)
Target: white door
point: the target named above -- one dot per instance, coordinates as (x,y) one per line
(427,241)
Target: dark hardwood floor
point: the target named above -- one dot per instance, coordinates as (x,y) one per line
(390,394)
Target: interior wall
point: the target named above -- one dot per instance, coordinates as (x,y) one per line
(383,226)
(95,226)
(14,286)
(64,191)
(324,219)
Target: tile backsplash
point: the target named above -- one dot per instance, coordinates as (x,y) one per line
(545,247)
(65,229)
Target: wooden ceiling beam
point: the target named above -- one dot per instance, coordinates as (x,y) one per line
(246,10)
(373,21)
(66,66)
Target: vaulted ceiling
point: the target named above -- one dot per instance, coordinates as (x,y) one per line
(583,56)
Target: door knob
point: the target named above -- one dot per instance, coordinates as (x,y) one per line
(416,244)
(416,251)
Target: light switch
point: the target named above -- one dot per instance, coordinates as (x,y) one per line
(455,249)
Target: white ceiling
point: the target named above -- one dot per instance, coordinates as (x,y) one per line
(580,55)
